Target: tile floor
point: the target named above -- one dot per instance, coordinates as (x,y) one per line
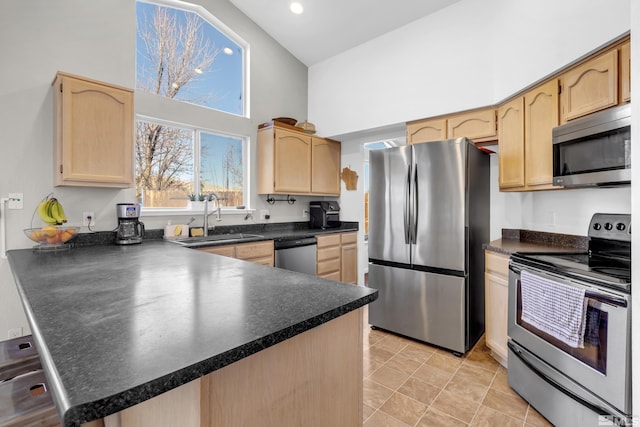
(408,383)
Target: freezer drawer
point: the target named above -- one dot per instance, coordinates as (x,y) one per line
(425,306)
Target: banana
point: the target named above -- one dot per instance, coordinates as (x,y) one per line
(44,212)
(57,212)
(177,231)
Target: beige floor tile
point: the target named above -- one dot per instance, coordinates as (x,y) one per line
(380,419)
(482,360)
(392,344)
(374,394)
(389,377)
(419,390)
(404,408)
(380,354)
(534,418)
(501,383)
(467,389)
(487,417)
(435,418)
(474,374)
(370,366)
(403,363)
(455,405)
(449,363)
(515,407)
(418,352)
(432,375)
(367,411)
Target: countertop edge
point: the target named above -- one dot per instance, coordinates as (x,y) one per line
(91,411)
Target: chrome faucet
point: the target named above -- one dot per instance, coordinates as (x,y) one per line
(207,213)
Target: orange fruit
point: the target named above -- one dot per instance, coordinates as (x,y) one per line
(49,231)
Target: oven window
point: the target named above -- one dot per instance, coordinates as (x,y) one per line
(603,152)
(594,352)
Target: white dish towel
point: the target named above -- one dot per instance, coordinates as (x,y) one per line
(554,308)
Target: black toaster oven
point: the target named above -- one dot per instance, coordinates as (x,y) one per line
(324,214)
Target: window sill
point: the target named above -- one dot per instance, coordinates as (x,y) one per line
(149,212)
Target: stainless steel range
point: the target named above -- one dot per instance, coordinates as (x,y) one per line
(570,328)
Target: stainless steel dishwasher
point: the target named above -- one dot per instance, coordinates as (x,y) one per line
(296,254)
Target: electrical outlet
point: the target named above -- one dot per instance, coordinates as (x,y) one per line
(16,201)
(264,214)
(88,219)
(15,333)
(304,212)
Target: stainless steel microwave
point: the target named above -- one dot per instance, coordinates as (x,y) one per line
(595,150)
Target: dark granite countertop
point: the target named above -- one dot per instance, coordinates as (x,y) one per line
(116,325)
(536,241)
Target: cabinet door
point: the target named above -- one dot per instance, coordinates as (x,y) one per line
(477,125)
(540,117)
(94,133)
(325,166)
(260,252)
(511,144)
(625,72)
(228,251)
(349,258)
(496,303)
(426,131)
(590,87)
(292,162)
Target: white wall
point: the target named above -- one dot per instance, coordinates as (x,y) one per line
(96,39)
(471,54)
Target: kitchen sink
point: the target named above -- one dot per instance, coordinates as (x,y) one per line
(217,238)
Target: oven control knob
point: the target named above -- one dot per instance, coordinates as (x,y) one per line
(620,226)
(608,226)
(597,226)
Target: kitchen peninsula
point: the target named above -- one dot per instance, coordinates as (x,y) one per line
(157,334)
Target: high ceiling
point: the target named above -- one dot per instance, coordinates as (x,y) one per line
(329,27)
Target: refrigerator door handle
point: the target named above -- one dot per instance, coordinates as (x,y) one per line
(407,207)
(414,210)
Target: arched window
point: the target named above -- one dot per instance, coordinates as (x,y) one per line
(187,57)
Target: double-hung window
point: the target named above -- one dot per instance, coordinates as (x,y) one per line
(196,67)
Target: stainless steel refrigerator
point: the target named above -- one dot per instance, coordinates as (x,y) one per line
(428,219)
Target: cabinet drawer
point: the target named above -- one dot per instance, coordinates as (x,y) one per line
(349,238)
(255,250)
(330,240)
(268,261)
(328,253)
(496,263)
(332,265)
(229,251)
(331,276)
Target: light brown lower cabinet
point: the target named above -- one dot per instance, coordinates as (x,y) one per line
(496,282)
(337,257)
(258,252)
(290,383)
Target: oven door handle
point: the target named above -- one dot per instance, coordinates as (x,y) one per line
(532,366)
(597,296)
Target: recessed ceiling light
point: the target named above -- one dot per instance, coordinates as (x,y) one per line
(228,51)
(296,8)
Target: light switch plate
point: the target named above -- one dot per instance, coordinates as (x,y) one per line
(16,201)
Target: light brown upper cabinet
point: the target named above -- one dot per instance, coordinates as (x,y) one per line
(525,153)
(284,161)
(540,117)
(93,133)
(625,72)
(293,162)
(426,131)
(477,125)
(325,166)
(511,144)
(590,87)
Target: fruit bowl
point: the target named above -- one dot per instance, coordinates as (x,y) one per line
(52,234)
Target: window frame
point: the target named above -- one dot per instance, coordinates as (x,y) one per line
(196,132)
(197,118)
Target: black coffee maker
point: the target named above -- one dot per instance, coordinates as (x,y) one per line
(130,229)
